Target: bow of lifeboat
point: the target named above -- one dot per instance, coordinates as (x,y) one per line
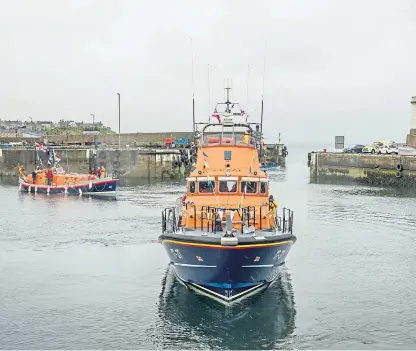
(225,238)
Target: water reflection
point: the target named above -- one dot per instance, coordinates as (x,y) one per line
(351,188)
(277,175)
(133,182)
(263,321)
(58,198)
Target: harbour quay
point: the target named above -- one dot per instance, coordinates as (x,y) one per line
(389,164)
(138,155)
(362,168)
(161,155)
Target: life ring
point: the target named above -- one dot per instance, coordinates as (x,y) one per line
(116,164)
(398,174)
(285,153)
(175,163)
(117,153)
(399,167)
(102,154)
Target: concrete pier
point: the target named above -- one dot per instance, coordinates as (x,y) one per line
(125,163)
(275,153)
(361,168)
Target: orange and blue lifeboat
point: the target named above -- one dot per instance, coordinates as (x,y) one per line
(227,237)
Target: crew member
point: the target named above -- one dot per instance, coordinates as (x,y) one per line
(246,136)
(33,176)
(21,171)
(272,204)
(49,176)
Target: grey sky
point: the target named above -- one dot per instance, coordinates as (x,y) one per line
(332,67)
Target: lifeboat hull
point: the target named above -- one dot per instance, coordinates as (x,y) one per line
(100,186)
(227,273)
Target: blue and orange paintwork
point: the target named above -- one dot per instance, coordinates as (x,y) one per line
(227,270)
(198,258)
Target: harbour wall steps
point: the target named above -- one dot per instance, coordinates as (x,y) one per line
(393,170)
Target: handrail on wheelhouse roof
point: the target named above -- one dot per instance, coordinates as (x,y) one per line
(246,125)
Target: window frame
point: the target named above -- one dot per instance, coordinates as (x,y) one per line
(206,179)
(228,180)
(249,181)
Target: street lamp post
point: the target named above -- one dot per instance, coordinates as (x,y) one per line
(93,128)
(119,138)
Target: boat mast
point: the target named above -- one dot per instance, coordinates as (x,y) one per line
(248,76)
(193,89)
(262,94)
(209,92)
(228,102)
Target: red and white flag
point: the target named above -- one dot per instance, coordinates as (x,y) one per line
(243,112)
(40,147)
(217,116)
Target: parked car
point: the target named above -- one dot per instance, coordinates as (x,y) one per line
(354,149)
(389,147)
(373,148)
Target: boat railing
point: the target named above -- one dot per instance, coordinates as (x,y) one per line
(284,223)
(211,218)
(267,216)
(237,139)
(169,222)
(228,133)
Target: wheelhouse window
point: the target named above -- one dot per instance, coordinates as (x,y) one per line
(205,187)
(228,186)
(192,187)
(249,187)
(263,187)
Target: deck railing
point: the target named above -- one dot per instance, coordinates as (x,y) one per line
(169,222)
(284,223)
(210,221)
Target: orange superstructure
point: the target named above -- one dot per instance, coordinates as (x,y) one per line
(227,175)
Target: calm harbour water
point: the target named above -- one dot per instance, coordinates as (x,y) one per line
(80,273)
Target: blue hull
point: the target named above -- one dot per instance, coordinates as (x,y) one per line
(101,187)
(227,272)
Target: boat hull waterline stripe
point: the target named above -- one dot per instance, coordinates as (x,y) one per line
(217,246)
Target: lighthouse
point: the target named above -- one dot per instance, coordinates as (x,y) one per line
(411,138)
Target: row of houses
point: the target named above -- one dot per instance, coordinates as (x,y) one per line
(19,127)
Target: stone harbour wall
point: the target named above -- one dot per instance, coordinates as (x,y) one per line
(107,139)
(130,163)
(364,169)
